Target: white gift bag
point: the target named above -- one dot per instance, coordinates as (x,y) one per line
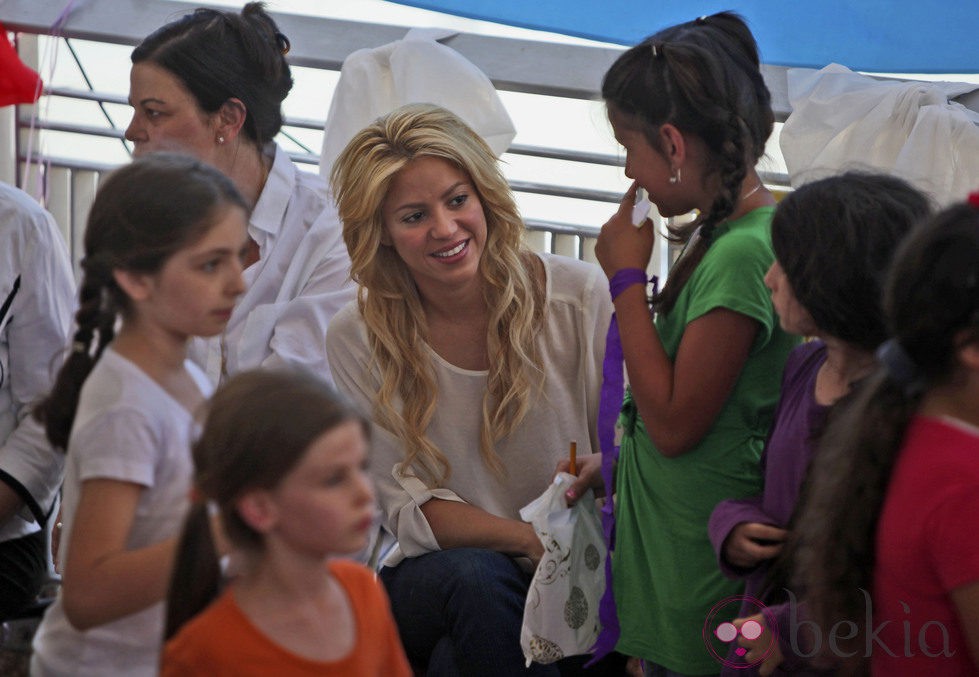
(561,613)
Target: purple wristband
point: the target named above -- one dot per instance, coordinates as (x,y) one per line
(624,279)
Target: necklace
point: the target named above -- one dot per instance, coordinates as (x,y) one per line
(752,191)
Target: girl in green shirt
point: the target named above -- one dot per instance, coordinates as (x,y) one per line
(691,109)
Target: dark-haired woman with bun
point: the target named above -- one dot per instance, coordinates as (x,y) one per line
(211,84)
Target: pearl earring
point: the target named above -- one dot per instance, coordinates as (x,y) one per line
(676,177)
(220,140)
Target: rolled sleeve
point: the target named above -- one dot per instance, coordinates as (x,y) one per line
(400,496)
(411,527)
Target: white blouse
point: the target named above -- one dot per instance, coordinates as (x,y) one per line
(572,345)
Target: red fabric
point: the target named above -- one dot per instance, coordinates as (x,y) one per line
(18,83)
(222,642)
(927,546)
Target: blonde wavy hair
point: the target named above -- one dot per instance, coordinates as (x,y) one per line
(397,328)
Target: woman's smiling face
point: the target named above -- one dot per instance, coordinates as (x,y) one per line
(434,219)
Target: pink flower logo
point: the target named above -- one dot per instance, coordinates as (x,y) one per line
(719,632)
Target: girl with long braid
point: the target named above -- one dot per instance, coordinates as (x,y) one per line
(164,249)
(692,111)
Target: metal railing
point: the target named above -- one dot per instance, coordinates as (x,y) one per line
(546,69)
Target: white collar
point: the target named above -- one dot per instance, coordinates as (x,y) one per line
(270,209)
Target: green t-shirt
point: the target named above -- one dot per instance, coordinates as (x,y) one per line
(665,573)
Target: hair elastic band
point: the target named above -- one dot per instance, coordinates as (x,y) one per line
(284,44)
(900,367)
(973,199)
(79,347)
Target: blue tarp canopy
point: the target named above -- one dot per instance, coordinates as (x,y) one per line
(888,36)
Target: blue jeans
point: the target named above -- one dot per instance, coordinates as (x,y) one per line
(459,612)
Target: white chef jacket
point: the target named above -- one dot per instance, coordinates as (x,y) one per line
(34,333)
(302,278)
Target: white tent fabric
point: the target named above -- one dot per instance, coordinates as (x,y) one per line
(843,120)
(416,69)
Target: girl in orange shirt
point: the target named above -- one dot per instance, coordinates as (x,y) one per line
(283,461)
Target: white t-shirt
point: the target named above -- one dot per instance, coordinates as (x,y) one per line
(572,345)
(302,278)
(129,429)
(33,335)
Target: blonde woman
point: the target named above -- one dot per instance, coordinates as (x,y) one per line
(479,360)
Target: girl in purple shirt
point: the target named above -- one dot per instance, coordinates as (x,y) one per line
(833,241)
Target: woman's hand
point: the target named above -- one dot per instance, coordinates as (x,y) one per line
(622,245)
(533,548)
(751,543)
(589,476)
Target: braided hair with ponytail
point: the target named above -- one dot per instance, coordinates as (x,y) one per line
(143,213)
(704,78)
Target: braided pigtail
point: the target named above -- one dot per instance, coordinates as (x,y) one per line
(96,317)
